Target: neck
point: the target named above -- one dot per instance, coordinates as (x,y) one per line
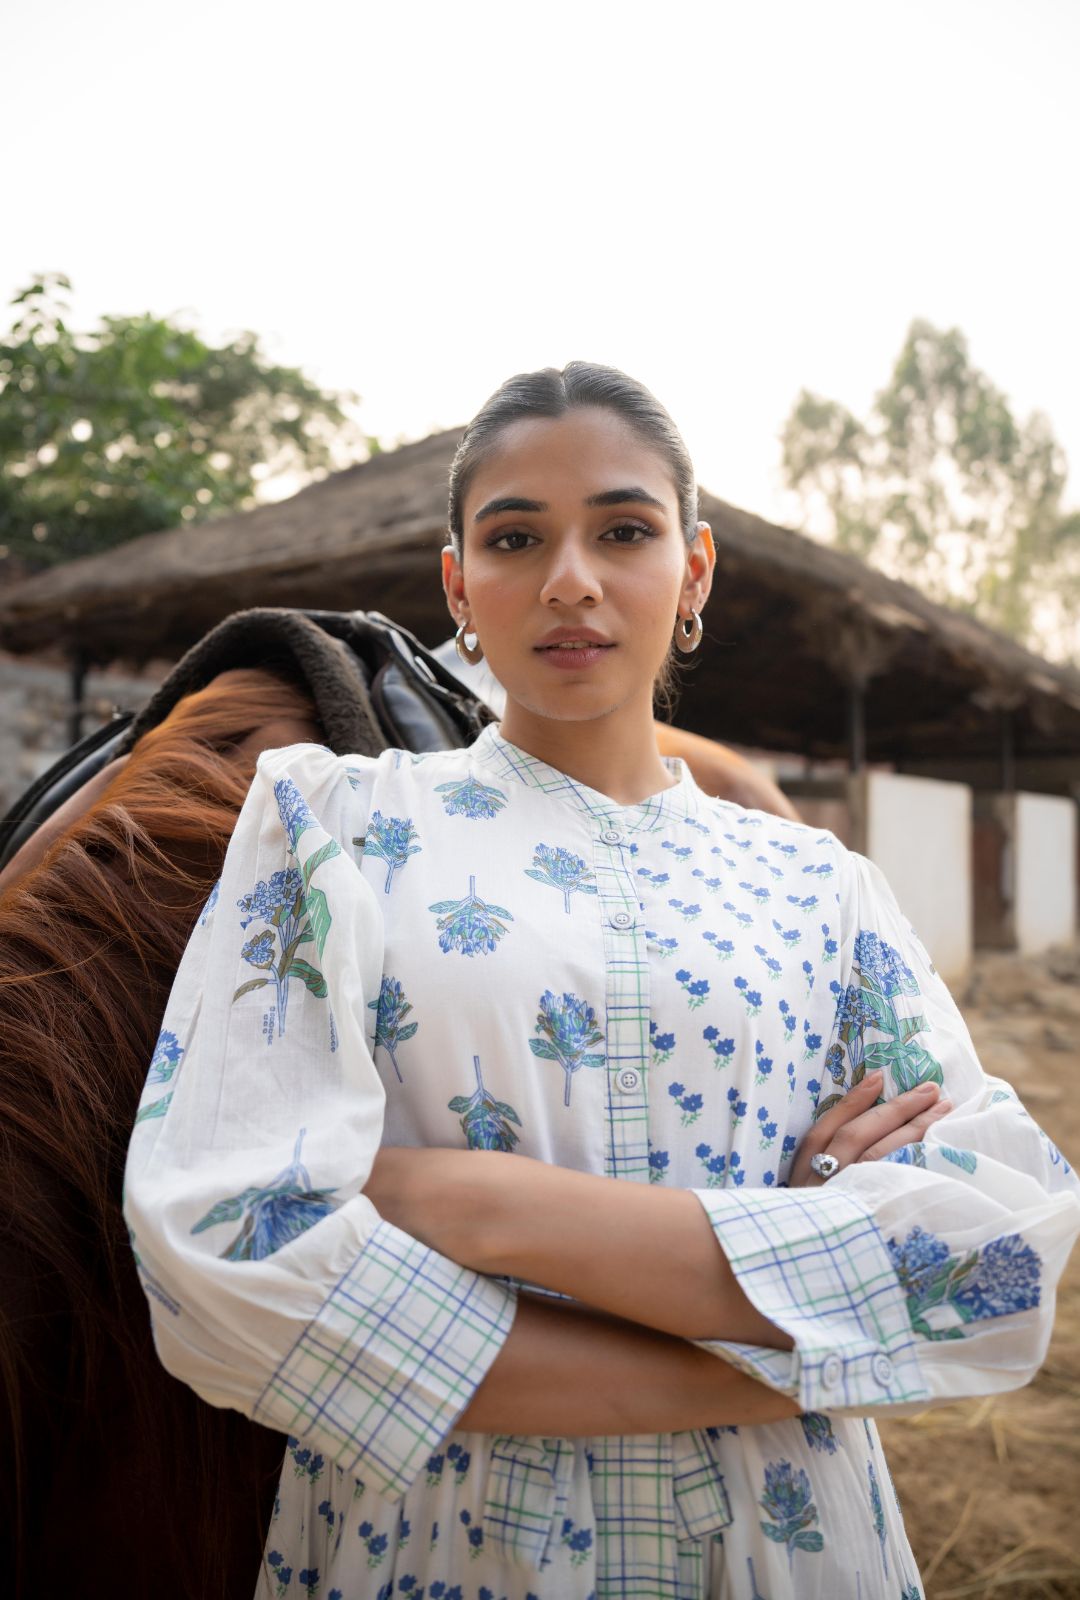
(615,754)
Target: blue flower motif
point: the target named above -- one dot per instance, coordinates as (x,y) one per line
(663,1045)
(722,1049)
(918,1261)
(471,926)
(714,1165)
(818,1432)
(752,997)
(736,1106)
(788,1505)
(568,1031)
(743,918)
(883,964)
(878,1512)
(1005,1280)
(659,1161)
(485,1121)
(468,797)
(772,966)
(756,893)
(562,870)
(165,1059)
(259,949)
(308,1577)
(577,1540)
(391,840)
(689,912)
(662,947)
(391,1029)
(723,947)
(274,1215)
(689,1104)
(295,813)
(274,899)
(763,1064)
(696,989)
(767,1129)
(808,974)
(211,902)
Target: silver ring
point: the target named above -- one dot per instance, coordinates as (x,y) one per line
(825,1166)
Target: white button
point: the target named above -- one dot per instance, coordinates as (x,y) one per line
(832,1370)
(628,1080)
(622,919)
(881,1367)
(611,836)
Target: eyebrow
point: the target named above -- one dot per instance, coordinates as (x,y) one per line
(609,497)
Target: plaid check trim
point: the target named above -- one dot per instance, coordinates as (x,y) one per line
(381,1375)
(815,1263)
(682,800)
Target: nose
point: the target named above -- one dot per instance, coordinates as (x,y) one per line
(572,576)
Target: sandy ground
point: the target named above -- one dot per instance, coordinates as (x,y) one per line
(990,1488)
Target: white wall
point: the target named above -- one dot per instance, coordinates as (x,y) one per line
(918,831)
(1045,871)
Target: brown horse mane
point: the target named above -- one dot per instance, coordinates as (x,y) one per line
(100,1446)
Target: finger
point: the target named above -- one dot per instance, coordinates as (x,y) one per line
(910,1133)
(853,1104)
(817,1137)
(877,1121)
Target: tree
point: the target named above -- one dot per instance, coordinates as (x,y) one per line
(941,484)
(141,425)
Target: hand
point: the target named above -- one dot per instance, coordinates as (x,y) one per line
(859,1130)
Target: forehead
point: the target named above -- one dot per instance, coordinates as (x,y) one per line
(564,459)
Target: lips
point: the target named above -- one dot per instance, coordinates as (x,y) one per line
(573,639)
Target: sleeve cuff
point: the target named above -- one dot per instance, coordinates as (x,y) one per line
(814,1263)
(383,1372)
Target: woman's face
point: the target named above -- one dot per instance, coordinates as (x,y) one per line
(575,566)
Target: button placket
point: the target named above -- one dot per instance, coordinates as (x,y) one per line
(626,1152)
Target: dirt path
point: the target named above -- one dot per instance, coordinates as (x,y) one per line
(990,1488)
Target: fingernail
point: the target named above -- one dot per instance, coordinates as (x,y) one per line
(943,1106)
(925,1088)
(875,1076)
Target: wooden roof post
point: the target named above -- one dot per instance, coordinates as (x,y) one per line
(77,658)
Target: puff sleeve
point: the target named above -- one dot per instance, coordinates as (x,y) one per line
(274,1285)
(929,1275)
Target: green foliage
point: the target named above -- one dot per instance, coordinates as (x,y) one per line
(141,425)
(942,485)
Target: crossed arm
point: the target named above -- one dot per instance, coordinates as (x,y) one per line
(642,1265)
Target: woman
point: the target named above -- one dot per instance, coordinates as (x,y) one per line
(504,1372)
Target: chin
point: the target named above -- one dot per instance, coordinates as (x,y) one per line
(560,708)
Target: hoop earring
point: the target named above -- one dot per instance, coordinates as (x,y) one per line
(473,654)
(688,632)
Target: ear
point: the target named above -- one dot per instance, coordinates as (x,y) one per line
(700,566)
(453,582)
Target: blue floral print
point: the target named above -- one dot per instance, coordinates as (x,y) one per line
(295,813)
(391,839)
(568,1031)
(751,997)
(869,1006)
(485,1121)
(663,1045)
(724,948)
(282,1573)
(722,1049)
(280,900)
(995,1282)
(697,989)
(273,1215)
(471,926)
(166,1057)
(659,1161)
(577,1540)
(818,1432)
(877,1511)
(391,1029)
(562,870)
(471,798)
(788,1505)
(689,1104)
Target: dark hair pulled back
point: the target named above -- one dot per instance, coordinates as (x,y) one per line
(551,393)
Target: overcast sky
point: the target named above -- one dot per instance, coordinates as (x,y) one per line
(415,201)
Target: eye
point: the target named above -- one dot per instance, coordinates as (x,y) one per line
(510,539)
(629,533)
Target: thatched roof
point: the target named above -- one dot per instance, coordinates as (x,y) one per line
(791,624)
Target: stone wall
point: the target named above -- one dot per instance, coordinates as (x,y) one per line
(35,715)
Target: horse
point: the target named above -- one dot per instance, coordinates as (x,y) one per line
(119,1478)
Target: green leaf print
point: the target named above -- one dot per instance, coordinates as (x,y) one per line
(325,852)
(319,914)
(309,975)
